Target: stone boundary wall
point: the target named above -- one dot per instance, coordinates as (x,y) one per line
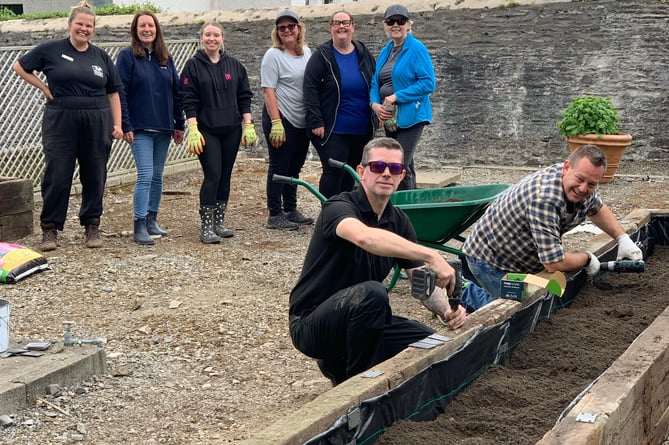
(503,73)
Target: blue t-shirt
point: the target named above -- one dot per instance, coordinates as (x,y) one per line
(353,111)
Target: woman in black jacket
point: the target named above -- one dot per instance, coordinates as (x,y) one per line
(336,94)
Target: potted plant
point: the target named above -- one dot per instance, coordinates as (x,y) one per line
(594,120)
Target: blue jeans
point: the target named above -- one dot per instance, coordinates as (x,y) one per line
(486,277)
(150,151)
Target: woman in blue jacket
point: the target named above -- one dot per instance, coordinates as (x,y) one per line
(152,115)
(401,87)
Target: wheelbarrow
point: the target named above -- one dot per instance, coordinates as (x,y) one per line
(438,215)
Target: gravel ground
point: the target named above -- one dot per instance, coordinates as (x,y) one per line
(196,335)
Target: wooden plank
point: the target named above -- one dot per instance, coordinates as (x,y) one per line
(16,196)
(13,227)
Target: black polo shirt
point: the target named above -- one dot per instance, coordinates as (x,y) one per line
(333,263)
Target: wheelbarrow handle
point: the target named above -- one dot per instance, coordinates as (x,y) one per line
(336,163)
(296,181)
(344,166)
(280,178)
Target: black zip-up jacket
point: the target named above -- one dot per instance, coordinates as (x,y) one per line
(322,86)
(216,94)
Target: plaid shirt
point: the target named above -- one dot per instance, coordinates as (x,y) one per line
(522,229)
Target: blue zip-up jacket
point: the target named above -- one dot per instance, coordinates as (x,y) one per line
(150,96)
(413,82)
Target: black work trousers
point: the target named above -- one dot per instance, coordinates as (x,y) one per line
(354,330)
(217,161)
(75,129)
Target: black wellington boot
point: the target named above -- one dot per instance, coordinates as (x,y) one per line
(219,218)
(207,234)
(152,226)
(140,233)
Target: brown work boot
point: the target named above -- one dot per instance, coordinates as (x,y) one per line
(49,237)
(92,233)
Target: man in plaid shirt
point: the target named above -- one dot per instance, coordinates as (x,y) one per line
(522,229)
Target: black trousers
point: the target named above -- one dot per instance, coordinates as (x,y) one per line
(354,330)
(344,148)
(217,161)
(75,129)
(286,160)
(408,139)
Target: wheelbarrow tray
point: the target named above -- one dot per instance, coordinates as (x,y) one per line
(440,214)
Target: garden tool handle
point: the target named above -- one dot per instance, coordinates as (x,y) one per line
(623,266)
(336,163)
(281,178)
(454,298)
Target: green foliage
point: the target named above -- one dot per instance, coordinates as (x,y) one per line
(6,14)
(511,4)
(589,115)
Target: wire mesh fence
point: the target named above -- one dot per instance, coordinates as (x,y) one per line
(21,108)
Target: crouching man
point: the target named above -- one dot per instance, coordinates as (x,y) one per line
(339,309)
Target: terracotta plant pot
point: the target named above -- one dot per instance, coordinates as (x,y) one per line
(613,145)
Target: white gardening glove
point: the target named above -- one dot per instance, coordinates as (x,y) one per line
(627,249)
(593,267)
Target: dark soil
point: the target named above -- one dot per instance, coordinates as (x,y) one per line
(518,404)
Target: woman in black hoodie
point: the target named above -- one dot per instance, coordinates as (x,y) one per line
(216,98)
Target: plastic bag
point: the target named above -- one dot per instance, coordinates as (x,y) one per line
(17,262)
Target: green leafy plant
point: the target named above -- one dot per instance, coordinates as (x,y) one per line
(589,115)
(112,9)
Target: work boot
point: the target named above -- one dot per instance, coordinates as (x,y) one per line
(219,217)
(298,218)
(49,237)
(92,234)
(281,222)
(207,234)
(152,226)
(140,232)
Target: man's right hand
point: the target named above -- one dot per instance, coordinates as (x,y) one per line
(195,140)
(444,272)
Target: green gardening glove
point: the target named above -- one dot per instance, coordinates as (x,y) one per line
(391,124)
(249,136)
(277,135)
(195,142)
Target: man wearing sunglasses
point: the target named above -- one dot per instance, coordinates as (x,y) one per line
(339,309)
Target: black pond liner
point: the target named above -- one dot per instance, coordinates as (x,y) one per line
(424,396)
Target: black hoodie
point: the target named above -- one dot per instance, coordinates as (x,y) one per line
(216,94)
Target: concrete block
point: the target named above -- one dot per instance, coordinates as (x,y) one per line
(436,179)
(26,378)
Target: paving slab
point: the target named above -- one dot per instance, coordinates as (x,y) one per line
(436,179)
(23,379)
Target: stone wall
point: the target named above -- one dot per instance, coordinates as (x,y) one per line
(503,74)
